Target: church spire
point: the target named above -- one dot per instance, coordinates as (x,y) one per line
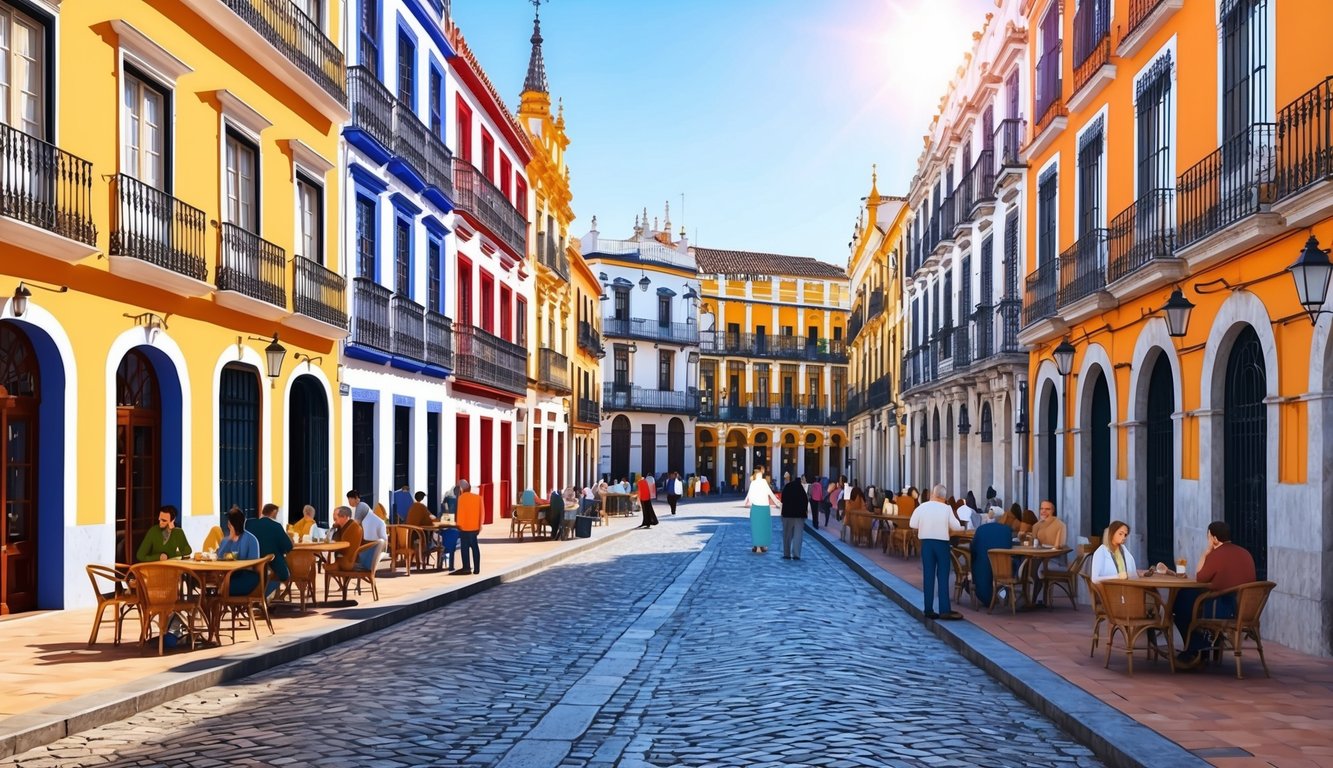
(536,79)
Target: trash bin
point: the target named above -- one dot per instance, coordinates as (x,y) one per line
(583,526)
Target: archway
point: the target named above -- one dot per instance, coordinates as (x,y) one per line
(761,452)
(706,453)
(1050,442)
(813,466)
(239,422)
(20,404)
(139,453)
(936,464)
(986,436)
(1159,466)
(1245,442)
(1099,455)
(788,456)
(735,460)
(676,446)
(620,448)
(308,441)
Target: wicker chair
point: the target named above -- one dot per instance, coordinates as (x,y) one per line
(303,565)
(247,605)
(859,525)
(165,589)
(1134,612)
(405,547)
(344,577)
(525,519)
(1098,611)
(112,589)
(1250,601)
(962,574)
(1063,578)
(1002,575)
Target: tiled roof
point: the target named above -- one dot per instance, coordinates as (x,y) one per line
(714,261)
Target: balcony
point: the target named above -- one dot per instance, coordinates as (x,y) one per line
(1223,200)
(880,392)
(919,367)
(488,206)
(775,347)
(398,132)
(773,409)
(46,198)
(252,274)
(407,336)
(1141,253)
(1042,290)
(370,314)
(1009,163)
(1082,270)
(650,330)
(1010,312)
(156,239)
(551,255)
(946,219)
(1052,116)
(589,339)
(1093,69)
(1305,159)
(439,341)
(983,319)
(977,189)
(488,360)
(856,402)
(627,398)
(589,411)
(876,305)
(962,345)
(553,371)
(319,297)
(1145,18)
(854,323)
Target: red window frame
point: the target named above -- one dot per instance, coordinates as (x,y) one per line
(506,313)
(487,302)
(465,292)
(464,127)
(506,173)
(521,195)
(487,155)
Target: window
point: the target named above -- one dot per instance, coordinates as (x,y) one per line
(242,182)
(1048,66)
(238,439)
(434,275)
(145,151)
(436,106)
(368,34)
(1092,23)
(664,311)
(22,72)
(309,219)
(521,196)
(761,385)
(1090,179)
(366,234)
(465,293)
(506,177)
(521,332)
(1011,95)
(402,256)
(664,370)
(506,314)
(487,155)
(312,11)
(987,271)
(1046,214)
(487,303)
(622,366)
(407,71)
(1244,65)
(622,304)
(464,130)
(402,445)
(1154,128)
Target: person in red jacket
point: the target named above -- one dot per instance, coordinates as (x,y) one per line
(647,490)
(1222,565)
(468,518)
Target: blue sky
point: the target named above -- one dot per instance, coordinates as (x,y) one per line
(765,114)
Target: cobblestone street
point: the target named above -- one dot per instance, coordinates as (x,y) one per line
(673,646)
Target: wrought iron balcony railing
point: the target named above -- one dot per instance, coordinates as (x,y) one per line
(854,323)
(977,187)
(1143,233)
(319,292)
(45,186)
(773,409)
(1092,40)
(590,340)
(152,226)
(552,255)
(1139,12)
(1231,183)
(252,266)
(652,330)
(1305,140)
(777,347)
(370,314)
(983,321)
(408,337)
(439,340)
(1009,145)
(553,370)
(298,37)
(1042,290)
(590,411)
(629,398)
(1083,268)
(397,128)
(1010,312)
(1049,99)
(489,360)
(879,393)
(487,204)
(875,306)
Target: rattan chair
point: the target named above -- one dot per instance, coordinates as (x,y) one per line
(1002,575)
(112,590)
(1250,601)
(256,600)
(344,577)
(1136,612)
(962,574)
(859,525)
(405,548)
(525,519)
(303,564)
(165,589)
(1098,611)
(1063,578)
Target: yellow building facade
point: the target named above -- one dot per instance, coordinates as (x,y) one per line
(168,254)
(1183,147)
(773,376)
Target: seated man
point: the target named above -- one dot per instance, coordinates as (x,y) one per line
(419,513)
(348,530)
(272,541)
(1049,530)
(555,514)
(992,535)
(1222,565)
(165,541)
(374,529)
(306,524)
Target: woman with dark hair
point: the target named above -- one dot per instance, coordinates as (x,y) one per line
(242,545)
(1112,560)
(972,513)
(1014,517)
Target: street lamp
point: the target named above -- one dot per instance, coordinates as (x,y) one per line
(1064,357)
(275,353)
(964,425)
(20,302)
(1178,309)
(1311,273)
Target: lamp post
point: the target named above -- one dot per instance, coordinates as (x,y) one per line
(1178,309)
(274,353)
(1064,357)
(1311,271)
(1021,429)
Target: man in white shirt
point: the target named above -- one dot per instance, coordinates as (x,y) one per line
(934,522)
(373,529)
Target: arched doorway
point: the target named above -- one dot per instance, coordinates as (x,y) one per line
(1245,451)
(707,455)
(761,452)
(986,436)
(788,456)
(1099,450)
(1159,466)
(308,444)
(936,464)
(20,398)
(676,446)
(964,482)
(735,459)
(836,467)
(619,448)
(1050,442)
(238,441)
(813,466)
(138,452)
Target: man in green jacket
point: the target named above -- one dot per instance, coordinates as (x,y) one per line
(273,540)
(164,542)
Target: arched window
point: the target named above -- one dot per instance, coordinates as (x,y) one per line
(138,452)
(19,399)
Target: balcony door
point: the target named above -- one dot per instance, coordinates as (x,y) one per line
(242,183)
(23,72)
(138,448)
(19,400)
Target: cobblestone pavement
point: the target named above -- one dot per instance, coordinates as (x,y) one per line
(670,647)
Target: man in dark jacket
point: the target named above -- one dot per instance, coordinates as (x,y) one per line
(794,505)
(273,540)
(992,535)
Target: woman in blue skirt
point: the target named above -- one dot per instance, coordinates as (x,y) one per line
(758,498)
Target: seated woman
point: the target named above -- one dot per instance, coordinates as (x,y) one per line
(528,498)
(1113,560)
(244,546)
(302,527)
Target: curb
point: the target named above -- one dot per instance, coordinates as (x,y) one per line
(20,733)
(1114,737)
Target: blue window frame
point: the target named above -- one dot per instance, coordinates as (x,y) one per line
(436,106)
(368,35)
(367,237)
(407,69)
(402,256)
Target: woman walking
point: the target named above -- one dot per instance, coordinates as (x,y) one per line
(759,498)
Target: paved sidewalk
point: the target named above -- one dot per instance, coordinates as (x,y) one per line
(54,684)
(1284,721)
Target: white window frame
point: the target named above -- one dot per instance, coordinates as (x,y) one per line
(1169,48)
(46,80)
(1102,117)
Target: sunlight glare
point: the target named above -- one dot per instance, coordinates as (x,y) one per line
(924,43)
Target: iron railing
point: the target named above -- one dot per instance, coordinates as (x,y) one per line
(876,304)
(1009,145)
(439,340)
(590,340)
(370,314)
(552,255)
(947,217)
(1049,92)
(856,402)
(1139,11)
(408,337)
(1083,267)
(1305,140)
(879,393)
(489,360)
(300,39)
(773,409)
(553,370)
(45,186)
(778,347)
(1143,233)
(623,398)
(371,105)
(854,323)
(1010,312)
(984,320)
(590,411)
(252,266)
(319,292)
(487,204)
(977,186)
(962,344)
(1042,289)
(395,125)
(1234,181)
(151,225)
(651,329)
(1092,40)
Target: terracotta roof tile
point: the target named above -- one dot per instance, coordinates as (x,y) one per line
(715,261)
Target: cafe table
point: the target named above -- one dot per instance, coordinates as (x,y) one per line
(1170,582)
(1032,556)
(324,548)
(619,503)
(211,574)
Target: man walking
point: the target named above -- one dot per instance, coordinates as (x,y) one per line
(469,526)
(794,504)
(647,490)
(675,488)
(934,521)
(816,496)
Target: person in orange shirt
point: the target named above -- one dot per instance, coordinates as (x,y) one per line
(647,490)
(469,526)
(348,530)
